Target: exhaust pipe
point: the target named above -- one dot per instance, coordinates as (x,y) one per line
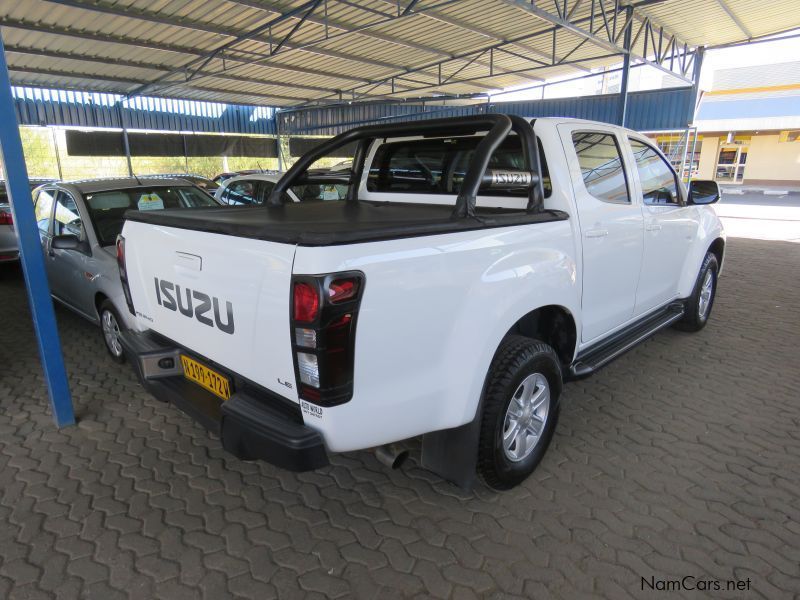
(391,455)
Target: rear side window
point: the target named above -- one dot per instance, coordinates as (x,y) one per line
(659,184)
(601,166)
(438,166)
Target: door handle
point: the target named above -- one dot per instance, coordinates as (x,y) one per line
(653,227)
(596,233)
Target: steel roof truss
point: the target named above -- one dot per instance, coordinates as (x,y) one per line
(602,32)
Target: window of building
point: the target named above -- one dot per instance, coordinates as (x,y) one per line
(601,166)
(731,162)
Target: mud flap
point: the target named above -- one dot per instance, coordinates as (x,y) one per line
(453,453)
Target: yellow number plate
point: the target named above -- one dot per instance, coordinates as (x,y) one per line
(211,380)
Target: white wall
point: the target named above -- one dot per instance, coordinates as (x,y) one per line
(768,159)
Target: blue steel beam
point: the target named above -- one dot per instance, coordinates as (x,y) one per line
(698,67)
(30,252)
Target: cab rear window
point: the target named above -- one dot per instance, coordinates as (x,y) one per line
(438,166)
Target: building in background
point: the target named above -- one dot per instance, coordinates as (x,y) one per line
(749,126)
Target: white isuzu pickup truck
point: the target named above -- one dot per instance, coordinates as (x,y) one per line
(475,264)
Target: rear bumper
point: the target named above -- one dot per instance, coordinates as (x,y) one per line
(252,424)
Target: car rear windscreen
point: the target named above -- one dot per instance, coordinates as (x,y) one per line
(107,208)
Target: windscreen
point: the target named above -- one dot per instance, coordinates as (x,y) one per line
(107,208)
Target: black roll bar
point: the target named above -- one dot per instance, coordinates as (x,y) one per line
(532,159)
(498,126)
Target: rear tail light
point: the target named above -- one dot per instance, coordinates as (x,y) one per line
(324,314)
(308,366)
(340,290)
(6,218)
(306,302)
(123,273)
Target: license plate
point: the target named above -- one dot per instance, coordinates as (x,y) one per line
(215,383)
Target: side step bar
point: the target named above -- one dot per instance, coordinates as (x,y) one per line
(594,358)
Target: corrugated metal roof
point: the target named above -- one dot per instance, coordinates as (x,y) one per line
(293,52)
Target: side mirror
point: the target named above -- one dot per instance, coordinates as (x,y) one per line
(67,242)
(702,191)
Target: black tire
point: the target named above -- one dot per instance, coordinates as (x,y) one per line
(694,318)
(106,309)
(517,360)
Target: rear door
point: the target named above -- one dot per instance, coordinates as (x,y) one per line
(611,227)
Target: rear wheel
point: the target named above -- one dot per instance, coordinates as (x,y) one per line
(520,411)
(111,327)
(698,306)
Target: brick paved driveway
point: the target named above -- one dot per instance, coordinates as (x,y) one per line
(681,458)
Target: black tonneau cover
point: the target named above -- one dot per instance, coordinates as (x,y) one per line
(328,223)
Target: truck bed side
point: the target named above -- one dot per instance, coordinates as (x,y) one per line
(325,223)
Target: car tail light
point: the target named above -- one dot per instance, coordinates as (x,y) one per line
(306,302)
(123,273)
(6,217)
(324,313)
(341,290)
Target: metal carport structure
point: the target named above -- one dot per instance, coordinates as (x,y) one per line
(320,52)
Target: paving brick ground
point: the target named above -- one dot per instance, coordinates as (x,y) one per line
(681,458)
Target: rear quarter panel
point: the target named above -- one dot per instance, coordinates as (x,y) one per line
(432,315)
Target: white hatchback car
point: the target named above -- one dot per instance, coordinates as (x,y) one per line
(255,188)
(249,189)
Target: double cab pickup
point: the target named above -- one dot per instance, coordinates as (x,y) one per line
(474,265)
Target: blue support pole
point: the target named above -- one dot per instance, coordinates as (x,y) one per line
(30,253)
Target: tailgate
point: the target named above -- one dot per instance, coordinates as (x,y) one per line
(222,297)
